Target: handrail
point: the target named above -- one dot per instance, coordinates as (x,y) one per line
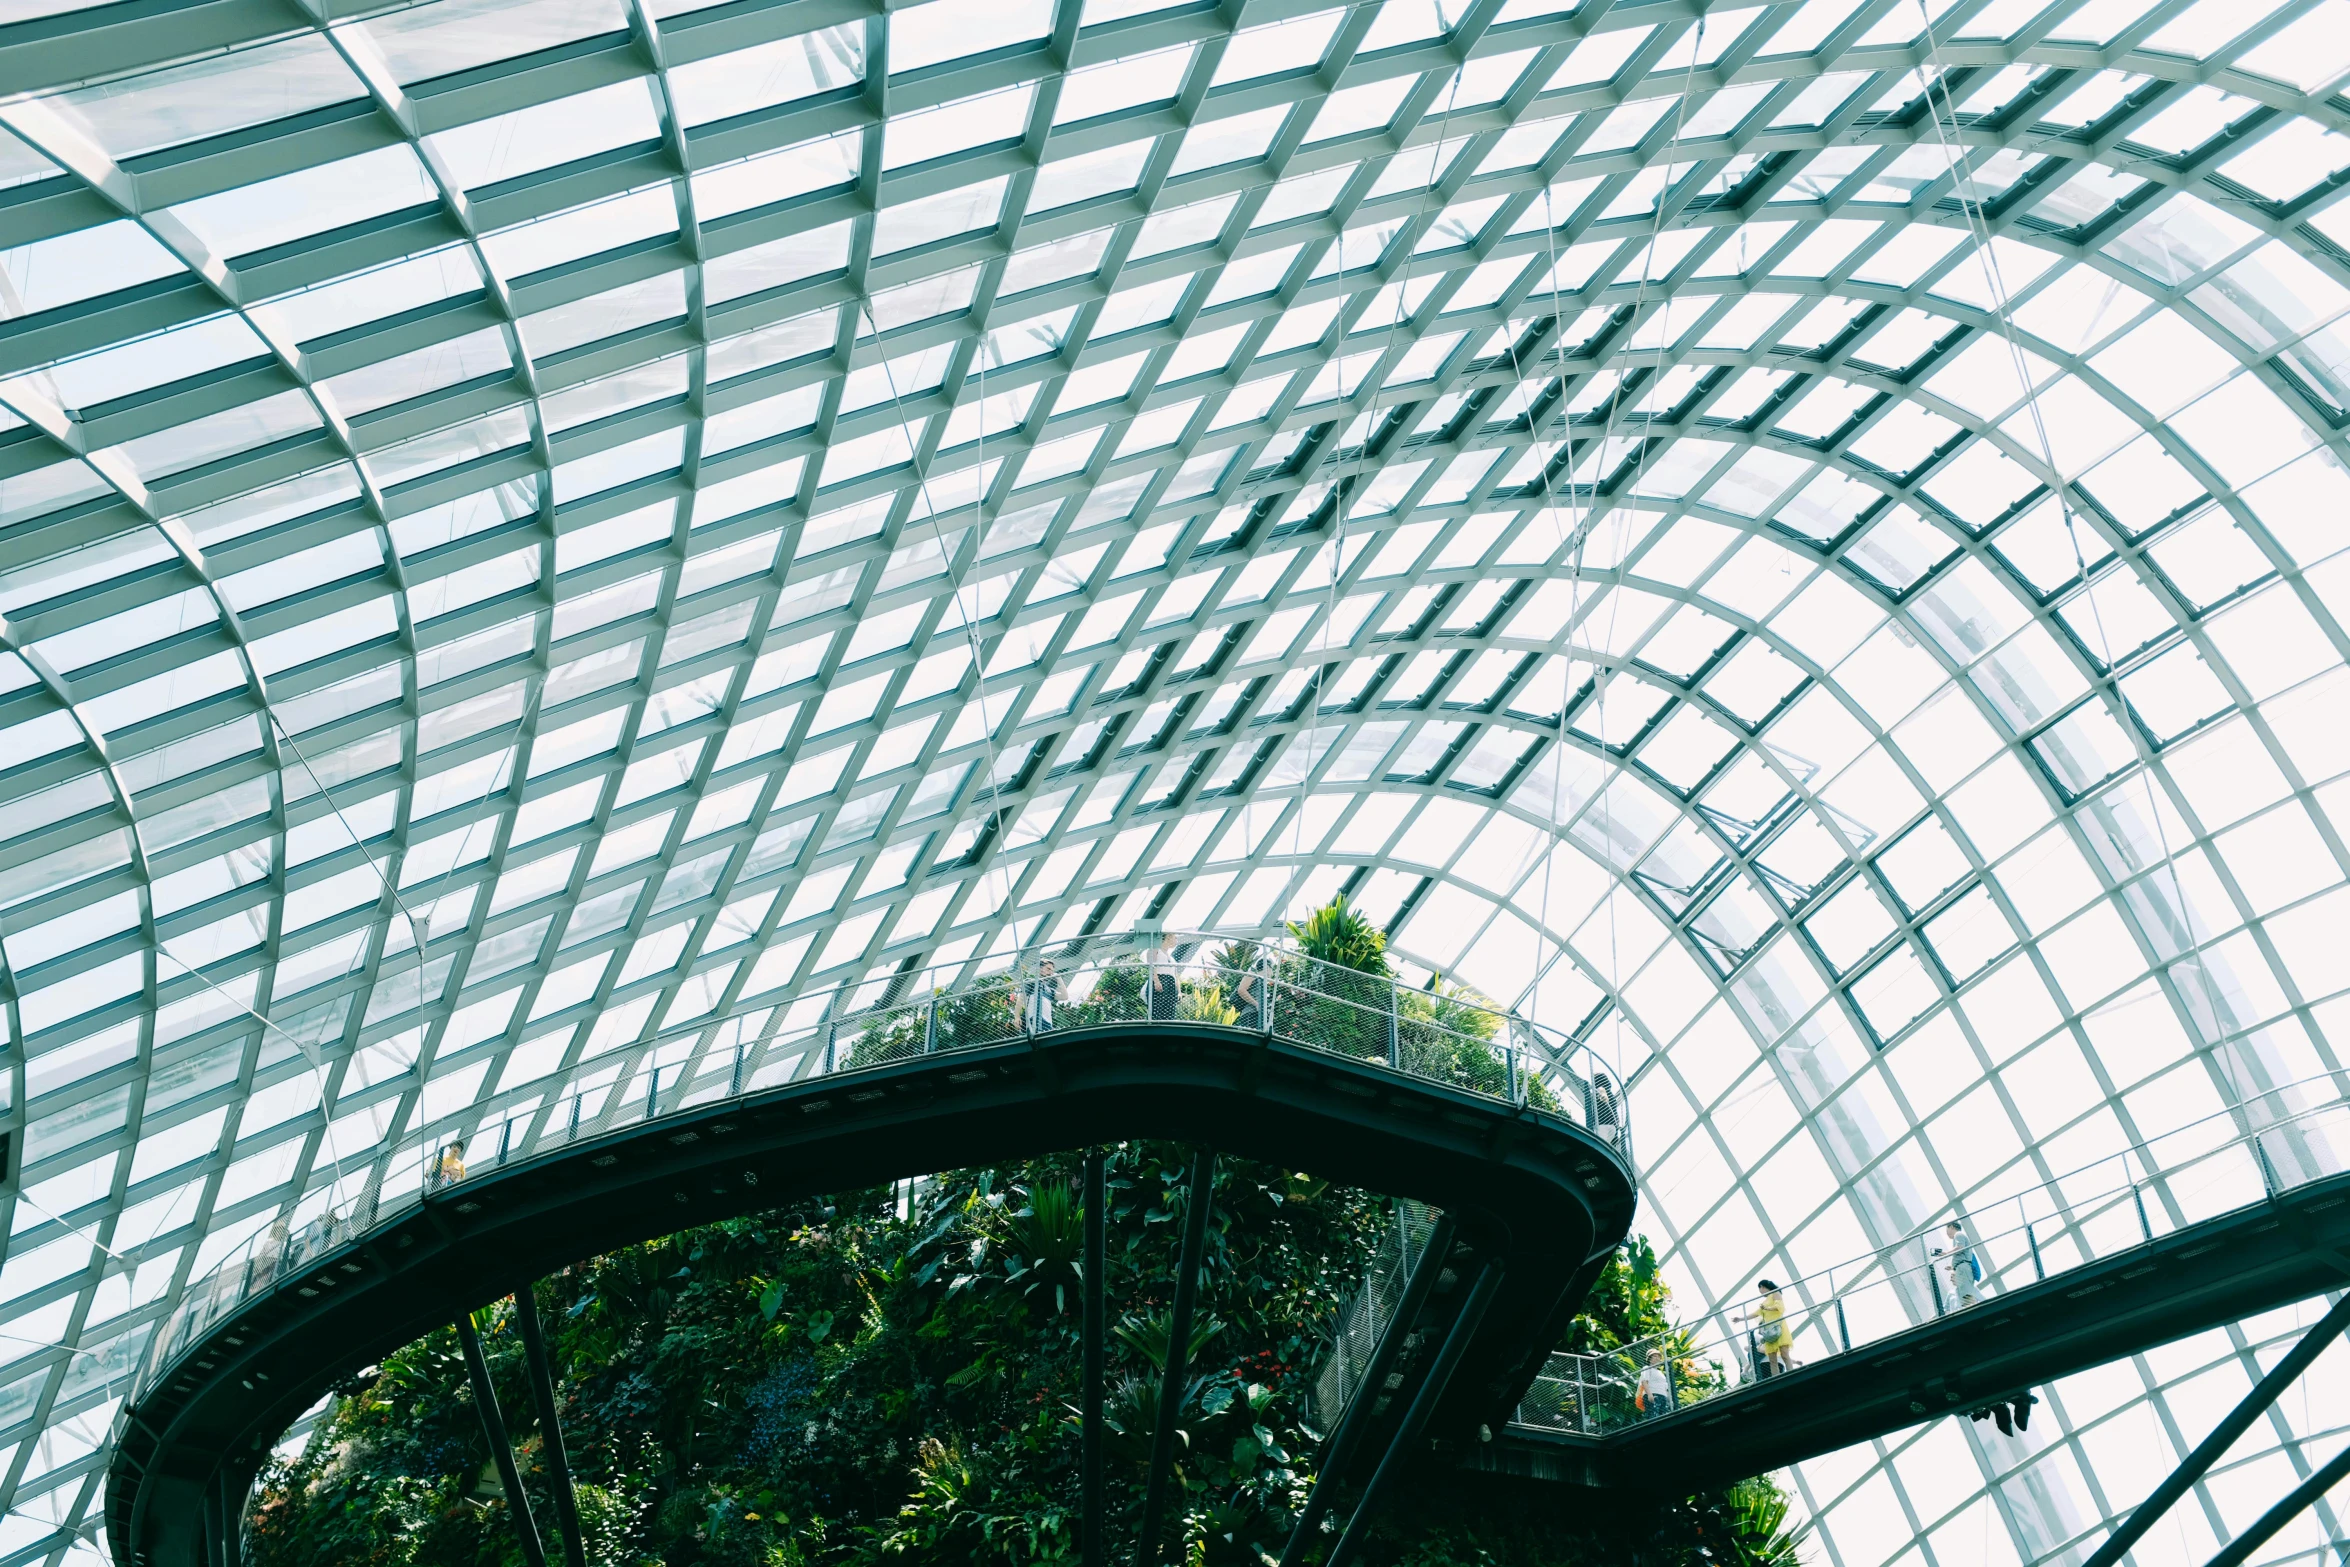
(1930,1275)
(1179,980)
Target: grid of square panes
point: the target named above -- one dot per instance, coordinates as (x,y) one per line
(506,505)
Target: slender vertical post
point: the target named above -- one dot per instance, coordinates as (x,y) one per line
(1843,1328)
(1175,1375)
(930,1027)
(1394,1028)
(493,1429)
(542,1397)
(831,1046)
(2039,1271)
(734,1083)
(2139,1197)
(1405,1446)
(1934,1279)
(1095,1553)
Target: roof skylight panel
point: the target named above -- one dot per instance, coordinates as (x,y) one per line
(240,223)
(725,86)
(944,30)
(210,97)
(428,41)
(576,126)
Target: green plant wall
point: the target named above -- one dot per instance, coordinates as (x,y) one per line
(831,1383)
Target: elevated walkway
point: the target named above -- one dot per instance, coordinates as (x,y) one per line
(1345,1078)
(2097,1274)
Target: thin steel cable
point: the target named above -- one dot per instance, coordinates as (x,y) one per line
(1956,152)
(938,534)
(1341,502)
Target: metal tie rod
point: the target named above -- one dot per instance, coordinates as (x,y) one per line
(1175,1375)
(1090,1529)
(493,1426)
(2223,1436)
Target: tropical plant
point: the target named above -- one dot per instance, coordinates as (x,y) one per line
(1205,1004)
(1048,1237)
(1761,1533)
(1339,935)
(829,1384)
(1236,957)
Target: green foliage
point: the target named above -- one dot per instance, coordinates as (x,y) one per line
(1629,1303)
(1205,1004)
(1756,1513)
(1337,934)
(828,1385)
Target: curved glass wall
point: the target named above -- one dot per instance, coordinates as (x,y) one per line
(1801,544)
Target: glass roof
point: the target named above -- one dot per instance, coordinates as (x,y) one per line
(1803,543)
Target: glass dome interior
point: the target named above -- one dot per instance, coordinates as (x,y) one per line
(1800,544)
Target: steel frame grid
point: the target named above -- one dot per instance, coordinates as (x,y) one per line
(205,796)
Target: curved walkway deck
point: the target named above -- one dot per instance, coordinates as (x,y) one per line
(2083,1275)
(2205,1276)
(1525,1185)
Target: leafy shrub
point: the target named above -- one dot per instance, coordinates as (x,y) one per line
(829,1385)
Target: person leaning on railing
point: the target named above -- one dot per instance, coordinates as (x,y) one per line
(449,1168)
(1652,1395)
(1165,983)
(1044,992)
(1248,997)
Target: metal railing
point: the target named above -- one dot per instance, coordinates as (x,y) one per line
(1363,1320)
(1439,1036)
(2110,1206)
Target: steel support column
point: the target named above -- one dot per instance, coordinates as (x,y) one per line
(2223,1436)
(1342,1441)
(1175,1375)
(1090,1537)
(1401,1450)
(493,1428)
(542,1397)
(2239,1550)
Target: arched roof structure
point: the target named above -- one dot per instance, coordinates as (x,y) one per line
(1801,542)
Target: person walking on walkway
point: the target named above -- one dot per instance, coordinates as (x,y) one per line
(1957,1269)
(1774,1343)
(449,1168)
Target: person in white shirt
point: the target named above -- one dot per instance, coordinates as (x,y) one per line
(1164,987)
(1653,1394)
(1957,1270)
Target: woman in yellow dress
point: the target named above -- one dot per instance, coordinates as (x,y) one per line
(1774,1341)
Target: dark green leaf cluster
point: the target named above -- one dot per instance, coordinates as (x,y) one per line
(858,1380)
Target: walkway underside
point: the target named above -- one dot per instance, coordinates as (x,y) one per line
(2202,1276)
(1543,1198)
